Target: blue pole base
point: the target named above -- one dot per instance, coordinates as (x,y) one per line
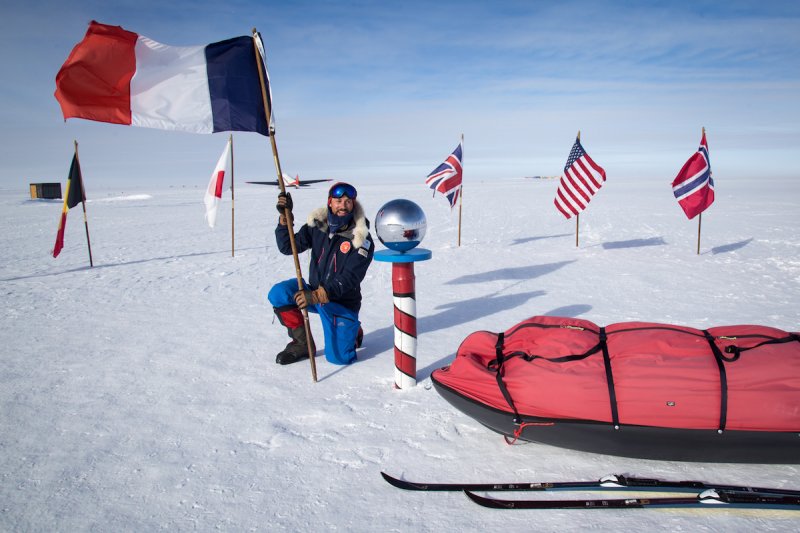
(410,256)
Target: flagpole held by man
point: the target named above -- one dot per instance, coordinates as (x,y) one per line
(266,98)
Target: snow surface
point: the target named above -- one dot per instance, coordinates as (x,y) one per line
(142,394)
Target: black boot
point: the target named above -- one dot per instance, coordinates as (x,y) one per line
(289,347)
(297,349)
(359,337)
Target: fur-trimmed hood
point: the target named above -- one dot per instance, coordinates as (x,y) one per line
(356,232)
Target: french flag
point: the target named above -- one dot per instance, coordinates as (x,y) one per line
(693,187)
(117,76)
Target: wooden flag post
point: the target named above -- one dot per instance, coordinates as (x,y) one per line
(230,139)
(699,221)
(460,200)
(461,192)
(83,203)
(287,212)
(700,216)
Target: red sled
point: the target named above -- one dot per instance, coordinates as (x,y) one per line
(634,389)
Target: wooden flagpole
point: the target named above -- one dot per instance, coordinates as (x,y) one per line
(460,200)
(83,203)
(699,222)
(700,216)
(461,192)
(230,140)
(287,212)
(578,216)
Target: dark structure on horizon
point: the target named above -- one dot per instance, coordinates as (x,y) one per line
(46,190)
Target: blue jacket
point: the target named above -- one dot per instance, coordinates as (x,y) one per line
(339,262)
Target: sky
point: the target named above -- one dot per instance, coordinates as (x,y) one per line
(383,91)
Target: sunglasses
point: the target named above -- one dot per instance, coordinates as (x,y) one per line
(343,189)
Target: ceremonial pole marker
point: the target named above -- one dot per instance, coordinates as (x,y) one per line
(400,226)
(405,312)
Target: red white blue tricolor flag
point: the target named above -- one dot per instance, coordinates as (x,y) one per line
(216,186)
(694,187)
(447,177)
(117,76)
(581,180)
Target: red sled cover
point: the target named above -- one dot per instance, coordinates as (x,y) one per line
(743,378)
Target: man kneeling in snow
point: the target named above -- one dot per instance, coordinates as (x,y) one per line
(341,251)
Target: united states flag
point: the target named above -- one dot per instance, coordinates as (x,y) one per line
(446,178)
(694,187)
(582,178)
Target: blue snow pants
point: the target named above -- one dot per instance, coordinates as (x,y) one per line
(339,324)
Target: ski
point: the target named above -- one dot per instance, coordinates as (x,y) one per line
(709,498)
(610,482)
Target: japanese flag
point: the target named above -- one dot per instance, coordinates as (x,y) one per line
(216,185)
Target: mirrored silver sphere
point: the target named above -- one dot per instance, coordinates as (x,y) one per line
(400,225)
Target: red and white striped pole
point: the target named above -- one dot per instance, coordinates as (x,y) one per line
(405,325)
(401,225)
(405,312)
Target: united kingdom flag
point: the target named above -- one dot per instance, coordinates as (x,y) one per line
(446,178)
(694,187)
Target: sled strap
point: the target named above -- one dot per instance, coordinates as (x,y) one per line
(723,380)
(563,359)
(612,395)
(498,350)
(736,351)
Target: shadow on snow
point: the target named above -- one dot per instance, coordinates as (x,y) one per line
(540,237)
(96,267)
(635,243)
(725,248)
(516,273)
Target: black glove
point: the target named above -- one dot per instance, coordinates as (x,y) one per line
(284,201)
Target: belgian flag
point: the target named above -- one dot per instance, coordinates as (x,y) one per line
(73,197)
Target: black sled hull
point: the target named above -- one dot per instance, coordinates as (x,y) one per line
(640,442)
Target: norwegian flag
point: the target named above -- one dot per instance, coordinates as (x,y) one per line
(446,178)
(694,187)
(582,178)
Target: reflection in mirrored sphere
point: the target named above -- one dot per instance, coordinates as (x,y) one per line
(400,225)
